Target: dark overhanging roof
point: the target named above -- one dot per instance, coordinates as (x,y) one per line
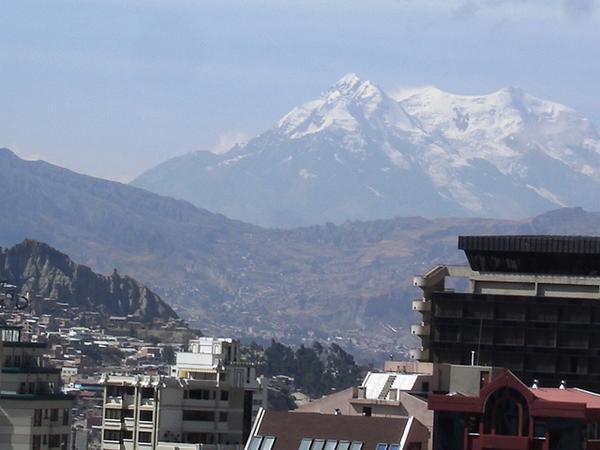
(536,254)
(532,244)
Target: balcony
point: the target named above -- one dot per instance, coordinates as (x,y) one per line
(421,305)
(420,329)
(419,354)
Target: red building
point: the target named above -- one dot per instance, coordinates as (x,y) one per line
(508,415)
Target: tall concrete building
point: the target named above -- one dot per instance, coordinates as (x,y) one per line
(209,399)
(34,414)
(527,303)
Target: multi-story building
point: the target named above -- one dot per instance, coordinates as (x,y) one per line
(211,397)
(34,414)
(527,303)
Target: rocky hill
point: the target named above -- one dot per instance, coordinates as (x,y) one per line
(349,281)
(358,153)
(41,270)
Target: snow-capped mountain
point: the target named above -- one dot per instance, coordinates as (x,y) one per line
(359,153)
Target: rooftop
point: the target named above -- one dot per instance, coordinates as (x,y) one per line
(289,429)
(553,255)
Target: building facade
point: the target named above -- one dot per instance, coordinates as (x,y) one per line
(506,414)
(527,303)
(210,399)
(34,413)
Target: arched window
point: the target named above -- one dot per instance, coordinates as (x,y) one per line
(506,413)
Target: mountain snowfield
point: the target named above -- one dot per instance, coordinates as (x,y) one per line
(357,153)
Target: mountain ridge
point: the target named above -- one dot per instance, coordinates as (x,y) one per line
(348,282)
(39,269)
(357,153)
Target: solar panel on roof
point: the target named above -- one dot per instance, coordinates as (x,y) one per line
(255,443)
(304,444)
(317,444)
(267,443)
(381,446)
(356,445)
(343,445)
(330,445)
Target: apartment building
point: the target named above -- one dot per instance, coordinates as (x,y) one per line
(34,414)
(209,399)
(527,303)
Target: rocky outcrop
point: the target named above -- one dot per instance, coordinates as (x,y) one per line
(41,270)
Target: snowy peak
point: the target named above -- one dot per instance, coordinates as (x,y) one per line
(347,106)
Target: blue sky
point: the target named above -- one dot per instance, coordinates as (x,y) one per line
(113,87)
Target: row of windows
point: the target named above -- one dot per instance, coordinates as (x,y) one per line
(119,414)
(118,391)
(21,361)
(204,394)
(204,416)
(50,414)
(60,441)
(119,435)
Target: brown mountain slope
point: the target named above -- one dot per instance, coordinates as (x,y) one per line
(351,280)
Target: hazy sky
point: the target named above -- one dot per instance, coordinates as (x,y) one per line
(113,87)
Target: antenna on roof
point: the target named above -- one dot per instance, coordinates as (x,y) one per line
(563,384)
(536,383)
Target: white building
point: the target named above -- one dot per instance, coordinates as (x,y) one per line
(34,414)
(210,399)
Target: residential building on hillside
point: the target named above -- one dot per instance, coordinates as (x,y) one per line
(527,303)
(34,413)
(209,399)
(277,430)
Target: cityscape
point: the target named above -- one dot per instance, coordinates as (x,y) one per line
(300,225)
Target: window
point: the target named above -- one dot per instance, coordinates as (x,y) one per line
(199,416)
(414,446)
(330,445)
(146,416)
(199,394)
(255,443)
(127,413)
(54,441)
(36,442)
(127,434)
(64,441)
(144,436)
(394,447)
(343,445)
(54,415)
(223,417)
(66,416)
(317,444)
(540,428)
(147,392)
(304,444)
(113,414)
(381,446)
(224,396)
(356,445)
(112,435)
(45,414)
(267,443)
(114,391)
(129,390)
(22,388)
(37,418)
(367,411)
